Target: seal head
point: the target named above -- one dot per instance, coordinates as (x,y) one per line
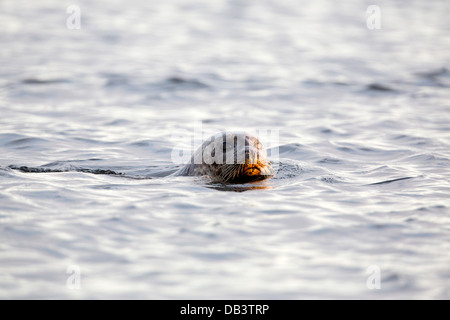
(230,157)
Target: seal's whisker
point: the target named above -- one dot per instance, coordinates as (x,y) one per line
(226,172)
(230,172)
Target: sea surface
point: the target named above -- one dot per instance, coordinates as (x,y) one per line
(90,117)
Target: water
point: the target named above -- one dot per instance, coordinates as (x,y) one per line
(363,117)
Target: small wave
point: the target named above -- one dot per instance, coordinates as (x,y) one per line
(115,79)
(417,141)
(287,169)
(330,161)
(35,81)
(5,172)
(380,87)
(171,83)
(23,141)
(428,157)
(240,188)
(118,122)
(157,146)
(117,82)
(96,141)
(27,169)
(364,151)
(85,166)
(20,141)
(65,162)
(290,148)
(330,179)
(436,78)
(319,83)
(434,73)
(182,83)
(357,149)
(390,181)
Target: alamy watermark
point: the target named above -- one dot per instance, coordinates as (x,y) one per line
(373,21)
(73,21)
(373,281)
(73,281)
(234,145)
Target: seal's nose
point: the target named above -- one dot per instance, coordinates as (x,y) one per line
(253,171)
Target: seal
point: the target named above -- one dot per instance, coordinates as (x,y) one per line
(230,157)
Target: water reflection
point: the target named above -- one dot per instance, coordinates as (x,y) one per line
(257,185)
